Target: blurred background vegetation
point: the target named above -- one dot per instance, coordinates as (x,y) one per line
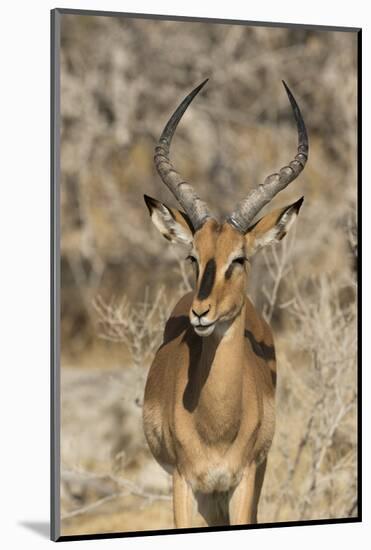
(121,78)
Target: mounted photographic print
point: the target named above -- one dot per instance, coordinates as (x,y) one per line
(204,281)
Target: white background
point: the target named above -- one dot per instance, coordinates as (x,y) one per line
(24,257)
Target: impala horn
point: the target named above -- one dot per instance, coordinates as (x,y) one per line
(194,207)
(247,209)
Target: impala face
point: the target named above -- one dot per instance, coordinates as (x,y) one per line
(220,257)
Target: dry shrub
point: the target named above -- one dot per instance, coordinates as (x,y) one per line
(313,462)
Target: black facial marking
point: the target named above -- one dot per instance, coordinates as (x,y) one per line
(194,263)
(237,261)
(197,271)
(208,279)
(228,273)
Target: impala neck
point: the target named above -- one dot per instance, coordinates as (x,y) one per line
(230,332)
(215,370)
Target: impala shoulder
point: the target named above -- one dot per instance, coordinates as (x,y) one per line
(258,333)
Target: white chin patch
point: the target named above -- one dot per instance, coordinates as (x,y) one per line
(204,331)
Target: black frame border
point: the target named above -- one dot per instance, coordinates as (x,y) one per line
(55,522)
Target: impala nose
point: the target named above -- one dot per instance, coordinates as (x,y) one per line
(199,315)
(201,324)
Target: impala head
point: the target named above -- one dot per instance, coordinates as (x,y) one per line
(220,252)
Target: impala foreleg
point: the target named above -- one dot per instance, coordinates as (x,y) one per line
(183,501)
(259,480)
(241,502)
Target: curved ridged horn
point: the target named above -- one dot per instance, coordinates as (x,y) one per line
(194,207)
(247,209)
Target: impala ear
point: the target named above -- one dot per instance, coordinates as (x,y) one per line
(272,227)
(173,224)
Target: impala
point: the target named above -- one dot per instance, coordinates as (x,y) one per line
(209,411)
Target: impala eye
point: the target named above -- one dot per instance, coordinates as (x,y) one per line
(241,260)
(191,258)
